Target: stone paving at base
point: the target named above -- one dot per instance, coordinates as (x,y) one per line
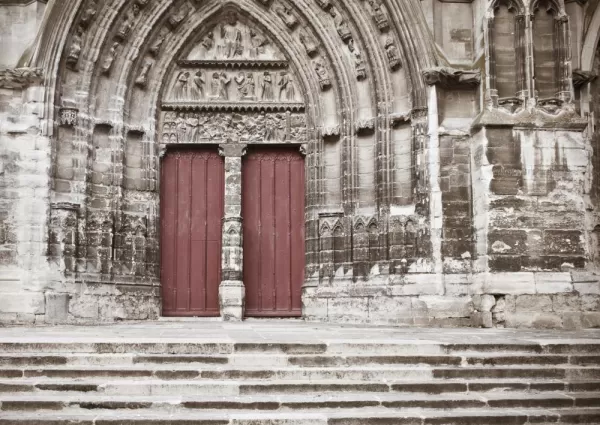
(270,330)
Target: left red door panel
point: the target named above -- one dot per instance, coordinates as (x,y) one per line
(192,207)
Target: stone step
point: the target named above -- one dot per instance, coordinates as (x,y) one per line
(357,373)
(33,360)
(210,347)
(170,373)
(14,361)
(367,416)
(553,400)
(231,387)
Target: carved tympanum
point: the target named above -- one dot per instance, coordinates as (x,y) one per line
(233,40)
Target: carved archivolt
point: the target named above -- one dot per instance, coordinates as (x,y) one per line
(245,71)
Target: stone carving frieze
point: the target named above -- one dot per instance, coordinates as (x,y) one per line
(240,86)
(16,78)
(211,127)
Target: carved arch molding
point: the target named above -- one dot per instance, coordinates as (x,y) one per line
(131,78)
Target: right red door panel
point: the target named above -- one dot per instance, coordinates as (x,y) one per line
(273,211)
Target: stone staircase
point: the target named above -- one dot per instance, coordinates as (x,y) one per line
(358,382)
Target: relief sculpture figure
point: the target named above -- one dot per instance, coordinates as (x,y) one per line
(379,15)
(231,39)
(286,87)
(361,71)
(109,58)
(89,13)
(127,24)
(156,46)
(181,126)
(181,86)
(267,87)
(258,44)
(142,78)
(219,85)
(250,86)
(75,49)
(208,42)
(392,54)
(340,25)
(286,16)
(309,42)
(246,85)
(323,75)
(197,89)
(192,122)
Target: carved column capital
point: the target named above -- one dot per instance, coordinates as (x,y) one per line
(235,150)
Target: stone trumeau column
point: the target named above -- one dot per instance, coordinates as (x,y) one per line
(232,292)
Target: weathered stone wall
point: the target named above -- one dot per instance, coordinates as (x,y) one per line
(451,170)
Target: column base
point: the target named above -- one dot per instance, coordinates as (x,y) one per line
(232,294)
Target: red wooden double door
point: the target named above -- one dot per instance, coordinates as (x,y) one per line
(192,208)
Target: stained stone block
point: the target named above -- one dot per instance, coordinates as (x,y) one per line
(534,303)
(231,300)
(534,320)
(553,283)
(344,309)
(57,308)
(509,283)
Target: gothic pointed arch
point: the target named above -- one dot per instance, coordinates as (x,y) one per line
(130,79)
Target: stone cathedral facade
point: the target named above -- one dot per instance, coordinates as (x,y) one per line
(405,162)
